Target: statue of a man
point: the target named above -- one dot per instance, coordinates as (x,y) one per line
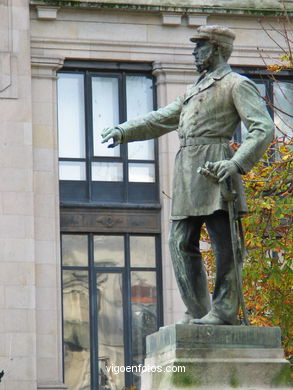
(206,117)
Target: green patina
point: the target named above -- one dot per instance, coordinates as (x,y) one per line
(283,377)
(234,382)
(185,379)
(143,7)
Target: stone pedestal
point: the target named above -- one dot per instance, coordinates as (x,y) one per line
(214,358)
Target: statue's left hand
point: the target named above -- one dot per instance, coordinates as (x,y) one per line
(222,169)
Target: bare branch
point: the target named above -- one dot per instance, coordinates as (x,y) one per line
(270,36)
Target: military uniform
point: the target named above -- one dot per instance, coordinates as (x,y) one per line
(206,117)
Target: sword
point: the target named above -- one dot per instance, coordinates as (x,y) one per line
(236,230)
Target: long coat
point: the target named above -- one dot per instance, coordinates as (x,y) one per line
(206,117)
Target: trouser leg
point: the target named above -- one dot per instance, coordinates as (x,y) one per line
(188,266)
(225,302)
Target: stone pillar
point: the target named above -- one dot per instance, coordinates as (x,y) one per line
(17,275)
(171,81)
(205,357)
(46,206)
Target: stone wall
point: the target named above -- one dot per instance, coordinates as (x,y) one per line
(17,222)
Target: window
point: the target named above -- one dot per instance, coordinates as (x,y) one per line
(88,102)
(111,301)
(278,93)
(110,224)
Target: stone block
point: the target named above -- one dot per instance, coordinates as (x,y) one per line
(16,250)
(20,297)
(45,228)
(17,203)
(47,13)
(46,275)
(215,357)
(47,369)
(45,252)
(46,298)
(21,274)
(18,320)
(13,179)
(171,19)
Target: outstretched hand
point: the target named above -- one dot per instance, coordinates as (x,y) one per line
(222,169)
(111,132)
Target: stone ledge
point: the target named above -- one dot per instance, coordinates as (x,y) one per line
(216,358)
(206,336)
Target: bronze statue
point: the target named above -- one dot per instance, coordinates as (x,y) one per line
(206,117)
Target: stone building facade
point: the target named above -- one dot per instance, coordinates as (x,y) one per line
(145,46)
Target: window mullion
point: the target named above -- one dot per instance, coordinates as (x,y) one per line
(127,312)
(89,130)
(93,316)
(123,118)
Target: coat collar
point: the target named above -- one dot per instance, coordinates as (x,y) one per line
(208,80)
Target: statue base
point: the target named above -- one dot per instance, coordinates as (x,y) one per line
(195,357)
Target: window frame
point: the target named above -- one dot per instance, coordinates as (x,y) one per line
(98,193)
(125,272)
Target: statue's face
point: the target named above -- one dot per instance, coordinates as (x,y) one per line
(203,54)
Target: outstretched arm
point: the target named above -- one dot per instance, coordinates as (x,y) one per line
(152,125)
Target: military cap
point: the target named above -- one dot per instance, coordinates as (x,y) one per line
(219,34)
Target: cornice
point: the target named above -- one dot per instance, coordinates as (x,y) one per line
(46,66)
(248,8)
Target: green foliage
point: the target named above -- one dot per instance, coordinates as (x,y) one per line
(268,272)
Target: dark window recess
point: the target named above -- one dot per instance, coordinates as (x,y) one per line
(277,91)
(89,100)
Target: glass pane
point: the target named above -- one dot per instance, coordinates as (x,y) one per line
(105,102)
(107,171)
(76,329)
(71,170)
(144,314)
(141,150)
(141,172)
(109,251)
(110,330)
(139,98)
(74,250)
(71,120)
(142,251)
(262,88)
(283,100)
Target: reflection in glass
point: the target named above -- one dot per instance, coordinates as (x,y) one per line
(139,98)
(144,314)
(76,330)
(283,99)
(141,150)
(103,171)
(142,251)
(74,250)
(71,130)
(105,112)
(110,329)
(139,172)
(109,251)
(72,170)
